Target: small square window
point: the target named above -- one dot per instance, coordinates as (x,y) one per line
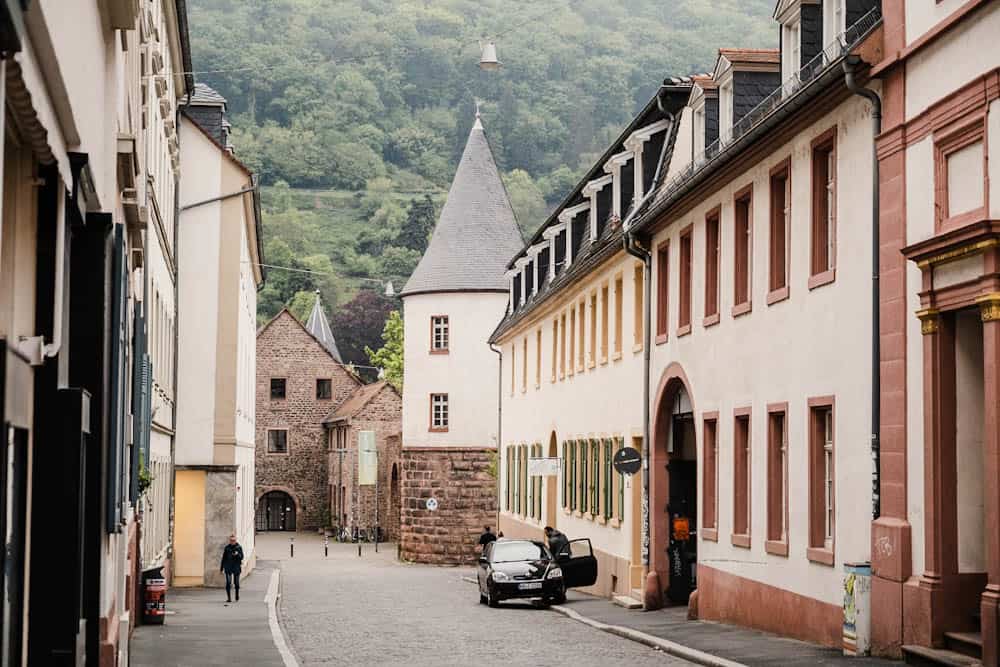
(277,388)
(324,389)
(277,441)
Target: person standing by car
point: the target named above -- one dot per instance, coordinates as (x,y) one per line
(232,565)
(557,541)
(486,538)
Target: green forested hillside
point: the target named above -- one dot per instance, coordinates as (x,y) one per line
(354,112)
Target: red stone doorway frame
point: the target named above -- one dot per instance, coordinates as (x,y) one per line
(941,599)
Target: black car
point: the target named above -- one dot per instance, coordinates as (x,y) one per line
(511,569)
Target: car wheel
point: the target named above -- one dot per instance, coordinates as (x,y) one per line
(559,598)
(491,599)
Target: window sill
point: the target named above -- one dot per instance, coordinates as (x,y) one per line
(604,360)
(776,548)
(742,541)
(661,339)
(538,385)
(824,278)
(710,534)
(636,348)
(615,523)
(710,320)
(567,511)
(820,555)
(617,356)
(742,308)
(438,352)
(285,453)
(774,296)
(581,368)
(591,364)
(684,330)
(578,514)
(437,430)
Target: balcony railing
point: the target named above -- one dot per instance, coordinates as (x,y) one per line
(830,55)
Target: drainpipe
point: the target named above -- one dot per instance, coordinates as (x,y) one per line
(499,353)
(636,249)
(872,97)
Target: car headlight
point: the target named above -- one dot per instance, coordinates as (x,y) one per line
(554,573)
(501,576)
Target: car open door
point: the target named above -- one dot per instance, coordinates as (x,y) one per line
(580,569)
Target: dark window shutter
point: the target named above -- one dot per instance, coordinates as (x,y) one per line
(116,435)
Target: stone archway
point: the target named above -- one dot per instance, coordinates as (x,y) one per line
(674,389)
(268,515)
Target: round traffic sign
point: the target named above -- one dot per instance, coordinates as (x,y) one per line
(627,460)
(432,504)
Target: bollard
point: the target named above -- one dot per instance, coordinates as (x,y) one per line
(291,547)
(326,547)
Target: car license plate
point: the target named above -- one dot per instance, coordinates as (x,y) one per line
(530,586)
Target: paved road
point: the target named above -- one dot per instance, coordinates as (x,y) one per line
(375,611)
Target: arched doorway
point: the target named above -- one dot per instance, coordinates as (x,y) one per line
(275,511)
(551,486)
(673,505)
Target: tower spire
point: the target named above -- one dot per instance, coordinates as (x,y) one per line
(319,327)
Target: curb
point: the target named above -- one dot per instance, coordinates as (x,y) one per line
(277,635)
(665,645)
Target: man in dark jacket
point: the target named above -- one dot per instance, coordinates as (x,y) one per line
(486,538)
(557,541)
(232,565)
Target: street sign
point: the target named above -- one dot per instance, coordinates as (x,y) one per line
(432,504)
(627,460)
(367,458)
(543,466)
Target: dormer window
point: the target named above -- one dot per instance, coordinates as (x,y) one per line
(791,47)
(834,20)
(726,110)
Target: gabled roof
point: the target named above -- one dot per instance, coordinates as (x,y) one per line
(751,56)
(284,311)
(357,401)
(319,327)
(205,95)
(476,233)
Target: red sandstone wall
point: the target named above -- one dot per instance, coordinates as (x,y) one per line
(467,496)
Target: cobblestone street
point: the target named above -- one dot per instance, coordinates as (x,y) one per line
(375,611)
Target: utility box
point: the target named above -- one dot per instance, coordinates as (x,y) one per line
(857,609)
(154,596)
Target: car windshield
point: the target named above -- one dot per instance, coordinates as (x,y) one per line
(506,552)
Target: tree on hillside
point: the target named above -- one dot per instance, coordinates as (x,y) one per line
(526,199)
(418,226)
(358,324)
(389,357)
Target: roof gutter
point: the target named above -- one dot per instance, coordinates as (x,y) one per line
(849,67)
(633,247)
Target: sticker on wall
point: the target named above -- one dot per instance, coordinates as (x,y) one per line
(432,504)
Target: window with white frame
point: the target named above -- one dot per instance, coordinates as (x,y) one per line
(828,478)
(725,110)
(834,20)
(791,44)
(439,333)
(439,412)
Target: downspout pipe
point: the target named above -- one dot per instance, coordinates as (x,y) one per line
(633,247)
(849,66)
(499,353)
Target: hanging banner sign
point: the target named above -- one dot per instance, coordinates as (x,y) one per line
(544,467)
(367,458)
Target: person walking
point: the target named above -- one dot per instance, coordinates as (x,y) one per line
(558,542)
(486,538)
(232,565)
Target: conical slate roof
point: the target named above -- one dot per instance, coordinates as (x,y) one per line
(320,329)
(476,234)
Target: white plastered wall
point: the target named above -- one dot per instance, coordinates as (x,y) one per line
(815,343)
(603,401)
(468,373)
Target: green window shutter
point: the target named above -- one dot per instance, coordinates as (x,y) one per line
(595,481)
(608,479)
(621,487)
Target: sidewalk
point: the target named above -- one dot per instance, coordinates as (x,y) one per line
(729,642)
(201,629)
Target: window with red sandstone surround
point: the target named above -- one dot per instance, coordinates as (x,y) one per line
(684,311)
(562,347)
(582,350)
(662,293)
(593,329)
(824,208)
(513,367)
(822,489)
(604,323)
(712,266)
(571,368)
(637,310)
(777,479)
(781,202)
(742,250)
(741,478)
(277,441)
(555,346)
(439,412)
(439,334)
(961,192)
(619,314)
(710,501)
(524,365)
(538,359)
